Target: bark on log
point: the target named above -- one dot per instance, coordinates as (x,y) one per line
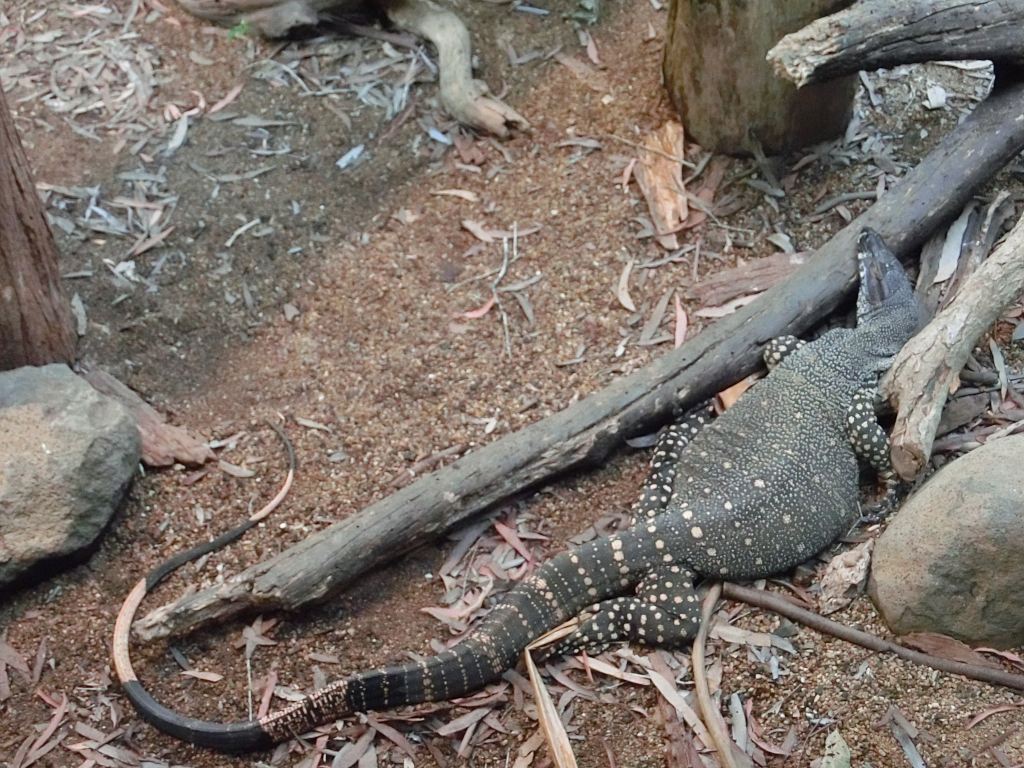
(727,95)
(587,431)
(35,317)
(925,370)
(881,33)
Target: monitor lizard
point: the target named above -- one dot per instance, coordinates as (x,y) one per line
(760,489)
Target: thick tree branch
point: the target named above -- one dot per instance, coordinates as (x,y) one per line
(873,34)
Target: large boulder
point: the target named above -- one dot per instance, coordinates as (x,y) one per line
(951,560)
(67,454)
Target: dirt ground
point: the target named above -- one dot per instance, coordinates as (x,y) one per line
(282,286)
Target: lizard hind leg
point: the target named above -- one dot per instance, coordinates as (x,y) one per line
(657,491)
(664,612)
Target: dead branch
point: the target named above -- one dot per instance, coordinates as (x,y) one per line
(721,742)
(465,99)
(926,369)
(780,605)
(585,432)
(872,34)
(163,444)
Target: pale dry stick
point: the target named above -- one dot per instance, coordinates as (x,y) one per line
(547,715)
(927,368)
(712,717)
(652,150)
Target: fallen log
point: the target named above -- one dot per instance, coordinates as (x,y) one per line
(587,431)
(927,368)
(872,34)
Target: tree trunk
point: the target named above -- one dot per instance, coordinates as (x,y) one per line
(874,34)
(725,91)
(35,318)
(585,432)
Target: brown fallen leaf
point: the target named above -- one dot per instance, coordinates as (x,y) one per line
(477,230)
(681,325)
(162,443)
(475,314)
(234,470)
(986,713)
(584,72)
(727,308)
(462,194)
(725,399)
(844,577)
(947,648)
(661,181)
(706,194)
(209,677)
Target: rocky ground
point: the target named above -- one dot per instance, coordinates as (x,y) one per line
(229,268)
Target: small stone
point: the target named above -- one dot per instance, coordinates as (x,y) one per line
(950,560)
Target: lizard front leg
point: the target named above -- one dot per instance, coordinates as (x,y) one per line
(779,348)
(871,445)
(664,612)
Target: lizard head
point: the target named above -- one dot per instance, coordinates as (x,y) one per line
(886,302)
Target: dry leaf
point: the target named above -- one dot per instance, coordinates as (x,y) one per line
(947,648)
(751,277)
(462,194)
(728,396)
(661,181)
(726,309)
(584,72)
(162,444)
(234,470)
(706,194)
(554,730)
(475,314)
(844,577)
(209,677)
(622,288)
(681,325)
(478,230)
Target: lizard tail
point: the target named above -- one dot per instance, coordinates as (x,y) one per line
(560,589)
(228,737)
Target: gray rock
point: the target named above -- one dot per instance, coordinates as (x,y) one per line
(67,455)
(951,560)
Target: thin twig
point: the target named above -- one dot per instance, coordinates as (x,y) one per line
(845,197)
(712,717)
(782,606)
(652,150)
